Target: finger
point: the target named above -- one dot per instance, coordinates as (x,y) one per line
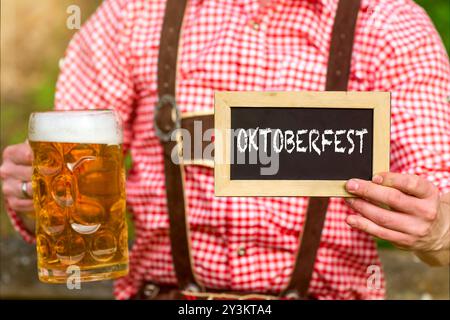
(15,171)
(385,195)
(407,183)
(21,205)
(389,219)
(19,154)
(364,224)
(13,188)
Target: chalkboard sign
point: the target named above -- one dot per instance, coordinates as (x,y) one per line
(298,143)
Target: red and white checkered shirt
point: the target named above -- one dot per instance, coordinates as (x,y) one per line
(248,244)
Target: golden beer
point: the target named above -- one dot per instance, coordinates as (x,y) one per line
(79,195)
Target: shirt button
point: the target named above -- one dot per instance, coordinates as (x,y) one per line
(241,251)
(254,25)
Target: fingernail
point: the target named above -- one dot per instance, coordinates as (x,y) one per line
(352,185)
(377,179)
(351,220)
(349,200)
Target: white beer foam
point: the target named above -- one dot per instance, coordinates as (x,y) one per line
(79,126)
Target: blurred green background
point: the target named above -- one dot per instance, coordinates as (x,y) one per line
(33,39)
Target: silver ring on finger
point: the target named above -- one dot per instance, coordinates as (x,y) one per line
(24,188)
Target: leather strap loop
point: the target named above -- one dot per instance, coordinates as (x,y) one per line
(167,120)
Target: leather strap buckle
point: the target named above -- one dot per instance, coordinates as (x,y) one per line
(150,291)
(292,295)
(166,121)
(192,288)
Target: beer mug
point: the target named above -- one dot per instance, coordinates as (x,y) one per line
(79,195)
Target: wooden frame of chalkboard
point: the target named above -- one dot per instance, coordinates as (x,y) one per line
(224,102)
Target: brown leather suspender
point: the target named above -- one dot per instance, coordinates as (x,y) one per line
(341,45)
(168,119)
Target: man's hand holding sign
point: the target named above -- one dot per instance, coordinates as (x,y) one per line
(328,144)
(418,218)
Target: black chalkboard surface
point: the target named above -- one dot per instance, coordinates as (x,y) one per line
(298,143)
(304,163)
